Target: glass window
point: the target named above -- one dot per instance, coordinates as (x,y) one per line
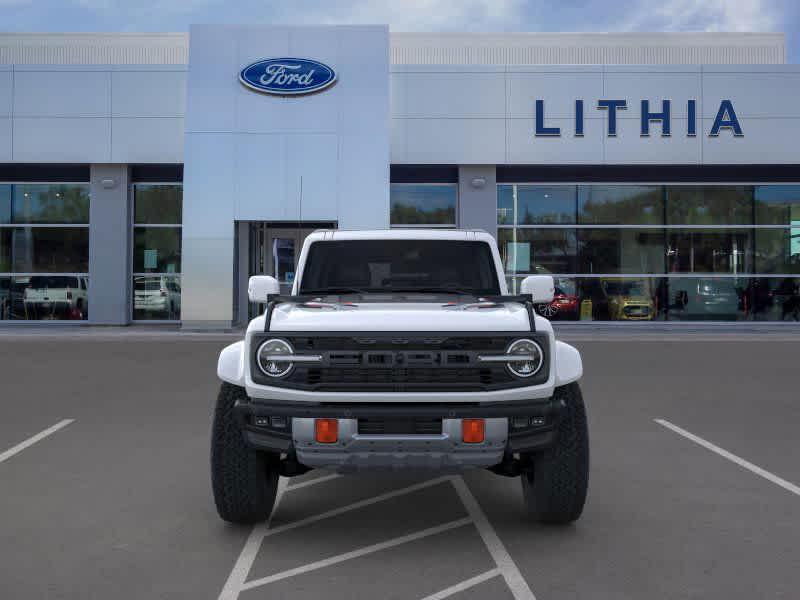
(538,250)
(383,266)
(44,249)
(620,204)
(156,297)
(778,250)
(709,250)
(44,264)
(777,205)
(536,204)
(423,204)
(45,204)
(709,205)
(157,214)
(158,204)
(621,251)
(157,250)
(703,299)
(774,299)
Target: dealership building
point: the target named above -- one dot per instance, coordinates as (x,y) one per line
(145,177)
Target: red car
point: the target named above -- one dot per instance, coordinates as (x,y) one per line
(563,306)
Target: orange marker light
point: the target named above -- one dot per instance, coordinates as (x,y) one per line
(473,431)
(326,431)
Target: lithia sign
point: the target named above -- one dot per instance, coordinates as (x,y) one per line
(725,120)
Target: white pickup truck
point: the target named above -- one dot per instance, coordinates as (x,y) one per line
(400,350)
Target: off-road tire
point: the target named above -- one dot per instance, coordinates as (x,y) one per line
(244,480)
(556,480)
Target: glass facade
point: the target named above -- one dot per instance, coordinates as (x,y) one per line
(156,285)
(656,252)
(423,204)
(44,251)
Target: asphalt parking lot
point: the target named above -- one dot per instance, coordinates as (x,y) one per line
(104,486)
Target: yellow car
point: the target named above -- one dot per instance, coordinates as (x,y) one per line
(628,299)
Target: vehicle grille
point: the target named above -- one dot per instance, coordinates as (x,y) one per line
(399,362)
(418,426)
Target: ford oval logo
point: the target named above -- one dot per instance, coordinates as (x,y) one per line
(287,76)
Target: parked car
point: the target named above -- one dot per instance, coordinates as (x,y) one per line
(56,297)
(706,298)
(156,295)
(627,299)
(563,306)
(400,350)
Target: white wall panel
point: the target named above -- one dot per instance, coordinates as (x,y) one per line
(148,93)
(558,90)
(311,176)
(765,141)
(210,89)
(753,94)
(147,140)
(455,95)
(524,147)
(629,148)
(5,139)
(6,87)
(79,140)
(62,93)
(209,181)
(455,141)
(678,87)
(260,179)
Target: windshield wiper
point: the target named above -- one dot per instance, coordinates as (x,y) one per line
(333,290)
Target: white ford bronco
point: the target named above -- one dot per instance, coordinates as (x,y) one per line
(400,350)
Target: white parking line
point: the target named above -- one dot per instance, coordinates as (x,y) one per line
(241,569)
(322,479)
(508,568)
(321,564)
(464,585)
(33,439)
(790,487)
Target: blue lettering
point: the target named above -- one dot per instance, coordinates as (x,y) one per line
(578,118)
(726,119)
(541,130)
(691,118)
(663,116)
(612,106)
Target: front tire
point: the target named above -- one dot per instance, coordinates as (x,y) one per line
(244,481)
(555,483)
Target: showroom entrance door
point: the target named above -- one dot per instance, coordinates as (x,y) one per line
(275,250)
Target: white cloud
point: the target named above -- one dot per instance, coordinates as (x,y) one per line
(705,15)
(415,15)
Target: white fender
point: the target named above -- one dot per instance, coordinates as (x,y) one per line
(230,366)
(569,366)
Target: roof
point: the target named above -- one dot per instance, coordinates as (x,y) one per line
(525,48)
(400,234)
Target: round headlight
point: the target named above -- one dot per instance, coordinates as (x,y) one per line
(534,358)
(269,366)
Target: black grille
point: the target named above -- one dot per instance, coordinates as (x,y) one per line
(402,362)
(396,426)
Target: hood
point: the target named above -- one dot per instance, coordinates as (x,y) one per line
(395,316)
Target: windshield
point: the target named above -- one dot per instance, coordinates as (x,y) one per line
(425,266)
(625,288)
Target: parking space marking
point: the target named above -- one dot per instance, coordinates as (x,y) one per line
(241,569)
(33,439)
(508,568)
(322,479)
(321,564)
(788,486)
(464,585)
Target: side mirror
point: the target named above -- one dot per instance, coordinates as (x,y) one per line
(540,287)
(261,286)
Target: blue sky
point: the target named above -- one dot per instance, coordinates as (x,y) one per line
(414,15)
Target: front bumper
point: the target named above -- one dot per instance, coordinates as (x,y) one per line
(440,451)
